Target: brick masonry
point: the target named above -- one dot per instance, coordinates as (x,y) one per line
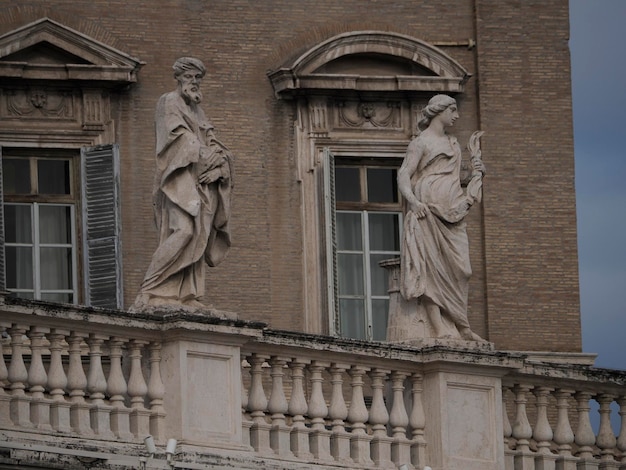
(524,293)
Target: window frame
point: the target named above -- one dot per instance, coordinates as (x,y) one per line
(35,200)
(374,155)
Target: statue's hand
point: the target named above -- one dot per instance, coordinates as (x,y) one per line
(419,209)
(478,166)
(211,157)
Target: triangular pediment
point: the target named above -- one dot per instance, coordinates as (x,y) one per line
(47,50)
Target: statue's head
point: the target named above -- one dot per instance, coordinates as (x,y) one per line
(436,105)
(189,71)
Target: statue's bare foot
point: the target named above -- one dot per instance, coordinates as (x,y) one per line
(195,304)
(469,335)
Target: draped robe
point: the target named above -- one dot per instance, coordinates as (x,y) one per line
(435,249)
(192,218)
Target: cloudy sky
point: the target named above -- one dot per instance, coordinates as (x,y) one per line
(598,55)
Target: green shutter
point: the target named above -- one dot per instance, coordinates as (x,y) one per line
(330,236)
(100,183)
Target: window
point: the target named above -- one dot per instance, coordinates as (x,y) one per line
(368,220)
(51,199)
(39,222)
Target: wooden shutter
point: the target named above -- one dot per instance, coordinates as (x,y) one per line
(3,284)
(330,235)
(102,253)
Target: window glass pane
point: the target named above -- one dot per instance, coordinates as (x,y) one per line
(55,269)
(378,275)
(53,176)
(352,318)
(382,185)
(349,232)
(18,223)
(384,230)
(380,307)
(63,297)
(16,175)
(350,272)
(19,267)
(55,224)
(347,184)
(25,295)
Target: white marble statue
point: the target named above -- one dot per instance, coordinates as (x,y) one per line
(434,261)
(192,190)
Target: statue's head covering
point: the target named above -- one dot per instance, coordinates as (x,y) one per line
(188,63)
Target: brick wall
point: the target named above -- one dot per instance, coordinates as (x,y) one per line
(524,293)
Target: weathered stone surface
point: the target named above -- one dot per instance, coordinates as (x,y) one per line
(434,263)
(192,189)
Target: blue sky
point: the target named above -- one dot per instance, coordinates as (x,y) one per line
(597,45)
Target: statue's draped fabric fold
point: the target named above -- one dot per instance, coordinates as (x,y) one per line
(435,249)
(191,217)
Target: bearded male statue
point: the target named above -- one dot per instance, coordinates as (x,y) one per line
(191,196)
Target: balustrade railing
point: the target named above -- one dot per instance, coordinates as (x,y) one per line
(344,410)
(552,421)
(117,378)
(77,382)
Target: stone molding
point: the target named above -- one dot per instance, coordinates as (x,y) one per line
(432,69)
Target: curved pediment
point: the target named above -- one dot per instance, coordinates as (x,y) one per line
(370,61)
(47,50)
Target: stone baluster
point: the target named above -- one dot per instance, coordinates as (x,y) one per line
(606,440)
(137,391)
(257,405)
(507,431)
(246,422)
(399,420)
(298,407)
(621,440)
(357,416)
(57,382)
(156,393)
(99,412)
(18,377)
(563,434)
(380,446)
(277,406)
(77,385)
(5,398)
(543,432)
(337,413)
(522,431)
(37,380)
(117,389)
(417,422)
(319,437)
(584,436)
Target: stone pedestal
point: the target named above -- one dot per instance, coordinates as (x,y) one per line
(201,373)
(463,409)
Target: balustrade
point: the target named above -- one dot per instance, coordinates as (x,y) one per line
(46,387)
(323,401)
(333,422)
(552,442)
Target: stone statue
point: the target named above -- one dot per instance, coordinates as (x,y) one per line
(434,261)
(192,191)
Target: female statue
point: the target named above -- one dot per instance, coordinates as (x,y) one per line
(435,267)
